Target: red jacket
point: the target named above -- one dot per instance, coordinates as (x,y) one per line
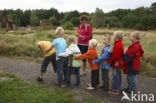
(86,32)
(90,55)
(118,52)
(132,59)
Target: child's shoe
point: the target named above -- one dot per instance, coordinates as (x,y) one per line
(82,73)
(101,87)
(63,86)
(39,79)
(77,84)
(90,88)
(89,85)
(113,92)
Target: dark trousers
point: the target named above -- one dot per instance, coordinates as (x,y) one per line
(76,71)
(83,49)
(105,78)
(116,82)
(46,62)
(94,78)
(62,66)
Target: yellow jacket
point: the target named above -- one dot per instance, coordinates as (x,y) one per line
(45,45)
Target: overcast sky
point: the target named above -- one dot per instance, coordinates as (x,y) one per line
(80,5)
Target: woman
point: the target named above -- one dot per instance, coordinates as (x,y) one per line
(85,34)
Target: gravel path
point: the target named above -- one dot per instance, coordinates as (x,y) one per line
(28,71)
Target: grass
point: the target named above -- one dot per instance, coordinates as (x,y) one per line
(15,90)
(24,45)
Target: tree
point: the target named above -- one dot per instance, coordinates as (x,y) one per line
(53,21)
(69,15)
(68,26)
(34,20)
(112,21)
(75,21)
(153,8)
(98,18)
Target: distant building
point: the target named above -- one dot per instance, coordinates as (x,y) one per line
(5,23)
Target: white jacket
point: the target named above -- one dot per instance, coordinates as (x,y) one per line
(73,48)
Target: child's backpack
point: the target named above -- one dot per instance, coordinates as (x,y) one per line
(86,26)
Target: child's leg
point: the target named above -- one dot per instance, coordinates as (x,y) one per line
(53,61)
(131,80)
(68,76)
(60,71)
(77,73)
(106,79)
(94,78)
(65,67)
(103,77)
(116,82)
(44,65)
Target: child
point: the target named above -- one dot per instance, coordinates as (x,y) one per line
(131,61)
(117,54)
(105,55)
(49,57)
(73,65)
(60,46)
(91,55)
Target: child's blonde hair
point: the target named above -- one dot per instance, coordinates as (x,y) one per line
(71,39)
(119,34)
(136,34)
(93,43)
(38,43)
(59,31)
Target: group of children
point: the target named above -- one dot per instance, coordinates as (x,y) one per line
(68,61)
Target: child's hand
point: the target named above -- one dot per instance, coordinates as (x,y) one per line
(73,58)
(105,63)
(43,52)
(93,62)
(75,33)
(80,36)
(116,64)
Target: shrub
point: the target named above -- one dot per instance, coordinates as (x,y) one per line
(68,26)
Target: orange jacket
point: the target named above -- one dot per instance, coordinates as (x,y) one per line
(90,55)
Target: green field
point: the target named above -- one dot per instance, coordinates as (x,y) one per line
(14,90)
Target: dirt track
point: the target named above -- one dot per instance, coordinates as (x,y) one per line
(28,71)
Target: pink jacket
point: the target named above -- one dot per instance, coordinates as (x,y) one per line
(86,33)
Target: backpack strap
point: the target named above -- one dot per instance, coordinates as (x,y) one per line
(86,27)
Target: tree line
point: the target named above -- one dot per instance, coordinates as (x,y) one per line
(142,18)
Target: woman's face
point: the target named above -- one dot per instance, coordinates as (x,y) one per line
(83,22)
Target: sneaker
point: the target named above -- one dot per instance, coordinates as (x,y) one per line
(90,88)
(39,79)
(77,84)
(113,92)
(89,85)
(58,84)
(126,90)
(101,87)
(63,86)
(82,73)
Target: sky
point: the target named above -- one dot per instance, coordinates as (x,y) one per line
(69,5)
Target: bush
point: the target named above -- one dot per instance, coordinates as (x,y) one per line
(139,26)
(68,26)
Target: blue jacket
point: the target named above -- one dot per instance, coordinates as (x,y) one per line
(105,55)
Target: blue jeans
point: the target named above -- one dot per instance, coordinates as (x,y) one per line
(61,70)
(116,80)
(76,71)
(132,81)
